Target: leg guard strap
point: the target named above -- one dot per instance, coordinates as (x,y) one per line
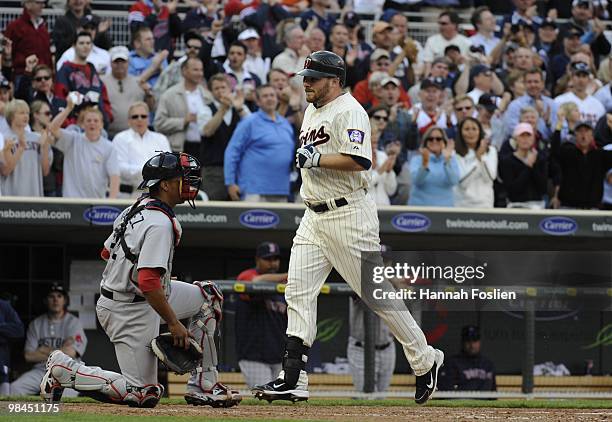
(294,361)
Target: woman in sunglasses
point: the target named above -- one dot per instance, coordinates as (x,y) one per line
(435,172)
(477,166)
(384,182)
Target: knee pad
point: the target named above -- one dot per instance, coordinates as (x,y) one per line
(294,361)
(213,298)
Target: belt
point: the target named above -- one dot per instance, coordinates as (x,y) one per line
(381,347)
(323,207)
(126,188)
(109,295)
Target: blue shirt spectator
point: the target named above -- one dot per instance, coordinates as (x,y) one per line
(260,153)
(435,172)
(143,60)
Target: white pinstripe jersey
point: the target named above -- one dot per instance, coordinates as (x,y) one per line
(340,126)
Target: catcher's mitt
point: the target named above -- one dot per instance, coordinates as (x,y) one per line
(176,359)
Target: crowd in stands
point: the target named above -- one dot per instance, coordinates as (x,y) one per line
(506,110)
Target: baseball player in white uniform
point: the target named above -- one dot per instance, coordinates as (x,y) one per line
(137,292)
(340,223)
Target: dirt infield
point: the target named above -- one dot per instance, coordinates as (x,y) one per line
(350,413)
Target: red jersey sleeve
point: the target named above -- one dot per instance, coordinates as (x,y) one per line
(149,279)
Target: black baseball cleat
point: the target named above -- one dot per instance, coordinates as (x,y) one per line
(426,384)
(279,390)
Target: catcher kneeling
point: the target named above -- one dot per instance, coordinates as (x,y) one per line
(136,293)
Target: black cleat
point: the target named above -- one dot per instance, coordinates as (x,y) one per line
(426,384)
(279,390)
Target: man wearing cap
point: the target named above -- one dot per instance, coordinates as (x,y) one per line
(534,97)
(547,35)
(590,108)
(583,168)
(255,63)
(65,27)
(171,75)
(448,23)
(483,81)
(468,370)
(593,29)
(571,45)
(428,112)
(56,329)
(123,90)
(261,320)
(98,56)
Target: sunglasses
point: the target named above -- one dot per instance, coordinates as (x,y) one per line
(193,47)
(46,113)
(42,78)
(383,118)
(138,116)
(435,139)
(442,23)
(468,108)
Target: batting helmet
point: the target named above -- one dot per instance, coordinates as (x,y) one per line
(168,165)
(324,64)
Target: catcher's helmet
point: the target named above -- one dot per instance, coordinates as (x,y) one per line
(324,64)
(168,165)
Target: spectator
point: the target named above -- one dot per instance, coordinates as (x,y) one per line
(593,29)
(261,320)
(221,118)
(27,155)
(533,80)
(143,61)
(37,84)
(571,117)
(603,130)
(590,108)
(515,89)
(123,90)
(99,57)
(490,120)
(440,68)
(583,166)
(90,163)
(255,63)
(65,27)
(463,107)
(265,20)
(316,39)
(292,59)
(384,346)
(448,23)
(400,23)
(435,172)
(161,18)
(428,112)
(57,329)
(240,79)
(571,45)
(82,77)
(604,94)
(384,181)
(547,37)
(250,174)
(483,80)
(28,34)
(469,370)
(320,11)
(40,119)
(524,173)
(6,95)
(11,328)
(525,12)
(339,41)
(180,110)
(477,162)
(200,16)
(290,98)
(484,22)
(171,75)
(135,146)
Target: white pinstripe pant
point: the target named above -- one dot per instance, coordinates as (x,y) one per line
(335,239)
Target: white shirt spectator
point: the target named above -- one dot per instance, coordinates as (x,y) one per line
(590,108)
(604,95)
(475,188)
(99,57)
(435,45)
(488,43)
(195,104)
(134,150)
(258,65)
(383,185)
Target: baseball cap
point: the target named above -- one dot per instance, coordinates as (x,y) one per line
(583,123)
(441,59)
(390,80)
(549,22)
(488,102)
(580,67)
(381,26)
(267,250)
(577,3)
(55,287)
(436,82)
(379,53)
(522,128)
(574,30)
(5,84)
(89,21)
(470,333)
(248,33)
(119,52)
(388,15)
(351,19)
(478,69)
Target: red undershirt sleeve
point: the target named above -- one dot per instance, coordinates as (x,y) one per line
(149,279)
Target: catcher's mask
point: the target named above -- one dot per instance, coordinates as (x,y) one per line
(168,165)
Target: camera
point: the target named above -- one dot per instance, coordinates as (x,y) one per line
(477,49)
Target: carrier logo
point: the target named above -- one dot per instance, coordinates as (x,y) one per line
(558,226)
(259,219)
(411,222)
(101,215)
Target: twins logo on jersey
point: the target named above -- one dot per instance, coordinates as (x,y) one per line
(314,136)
